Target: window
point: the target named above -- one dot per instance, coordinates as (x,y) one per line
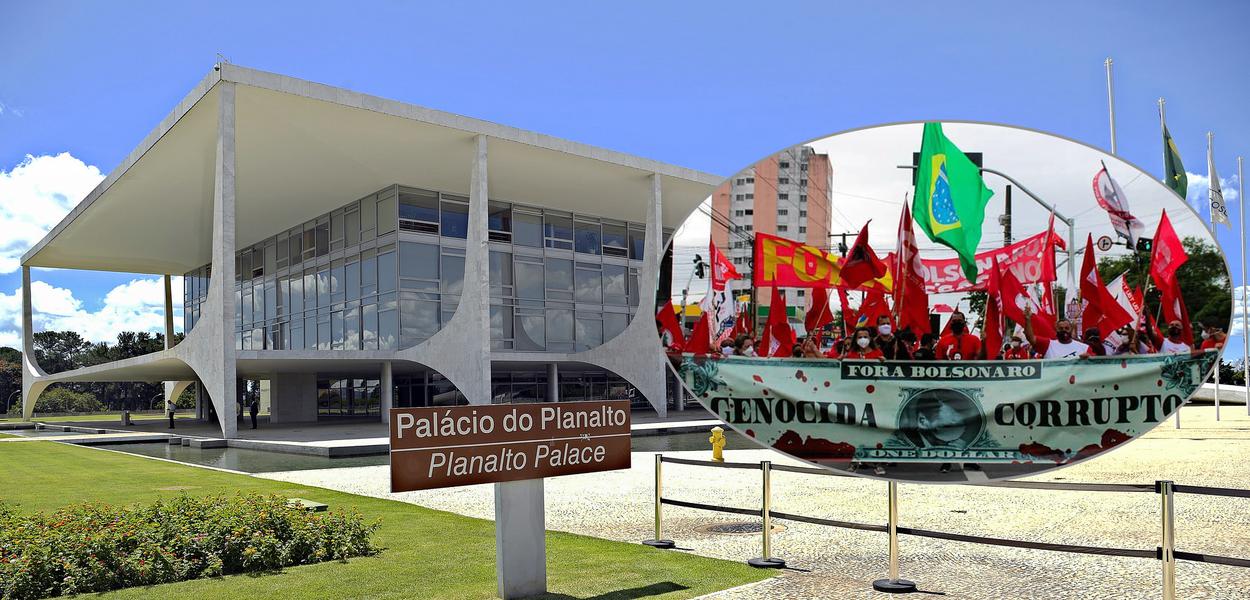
(452,280)
(783,196)
(387,212)
(528,229)
(750,180)
(351,226)
(500,274)
(588,237)
(802,213)
(749,211)
(783,165)
(455,217)
(802,198)
(750,196)
(386,271)
(419,266)
(559,278)
(499,221)
(803,167)
(738,213)
(739,197)
(802,229)
(323,237)
(336,230)
(418,211)
(558,231)
(738,260)
(589,280)
(529,279)
(614,285)
(741,181)
(781,212)
(802,293)
(747,228)
(781,228)
(637,243)
(615,240)
(783,180)
(803,182)
(738,245)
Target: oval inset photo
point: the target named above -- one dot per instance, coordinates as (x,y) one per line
(944,302)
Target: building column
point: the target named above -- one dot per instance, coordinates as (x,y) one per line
(553,382)
(387,384)
(32,387)
(209,348)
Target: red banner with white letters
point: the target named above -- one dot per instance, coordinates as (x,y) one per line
(1026,260)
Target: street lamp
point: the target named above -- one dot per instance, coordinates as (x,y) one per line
(10,399)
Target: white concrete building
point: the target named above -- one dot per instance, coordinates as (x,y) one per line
(359,253)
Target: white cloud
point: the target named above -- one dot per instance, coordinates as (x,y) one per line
(138,305)
(7,108)
(34,196)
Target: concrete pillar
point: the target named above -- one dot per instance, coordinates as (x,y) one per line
(520,539)
(32,387)
(387,384)
(293,398)
(199,402)
(553,382)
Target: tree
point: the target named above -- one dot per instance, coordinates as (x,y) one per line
(10,382)
(1204,281)
(58,351)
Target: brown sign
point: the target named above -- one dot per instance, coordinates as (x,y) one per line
(463,445)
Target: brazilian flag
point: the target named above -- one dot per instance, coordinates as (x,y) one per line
(1175,177)
(950,197)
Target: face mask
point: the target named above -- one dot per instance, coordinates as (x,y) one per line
(1206,335)
(863,342)
(1174,331)
(957,327)
(1064,336)
(885,329)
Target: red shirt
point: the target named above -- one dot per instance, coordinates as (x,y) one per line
(871,353)
(1210,343)
(1020,353)
(965,346)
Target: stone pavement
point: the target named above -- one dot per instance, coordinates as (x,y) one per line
(840,563)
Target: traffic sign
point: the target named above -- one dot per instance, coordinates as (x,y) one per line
(1104,243)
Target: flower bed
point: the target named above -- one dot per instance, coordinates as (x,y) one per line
(97,547)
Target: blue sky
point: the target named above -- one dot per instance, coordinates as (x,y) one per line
(713,86)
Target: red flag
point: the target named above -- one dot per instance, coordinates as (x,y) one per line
(871,309)
(943,308)
(1168,254)
(848,316)
(1014,296)
(910,299)
(819,314)
(722,268)
(742,325)
(778,337)
(992,324)
(1174,309)
(670,328)
(862,264)
(1101,310)
(700,341)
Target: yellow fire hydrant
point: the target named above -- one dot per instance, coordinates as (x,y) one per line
(718,444)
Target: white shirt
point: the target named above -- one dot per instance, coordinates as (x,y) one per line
(1056,349)
(1170,347)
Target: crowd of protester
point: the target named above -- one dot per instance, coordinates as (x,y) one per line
(881,342)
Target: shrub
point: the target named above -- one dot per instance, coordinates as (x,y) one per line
(62,400)
(97,547)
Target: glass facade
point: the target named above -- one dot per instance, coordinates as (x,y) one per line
(349,397)
(386,272)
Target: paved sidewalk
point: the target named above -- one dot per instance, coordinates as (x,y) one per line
(841,563)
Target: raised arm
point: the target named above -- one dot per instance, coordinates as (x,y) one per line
(1028,325)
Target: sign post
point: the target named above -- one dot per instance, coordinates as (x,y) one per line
(513,446)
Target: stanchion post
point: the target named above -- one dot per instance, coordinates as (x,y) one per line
(767,561)
(658,541)
(1167,547)
(893,584)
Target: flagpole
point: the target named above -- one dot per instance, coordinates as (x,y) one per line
(1245,336)
(1111,103)
(1211,207)
(1163,132)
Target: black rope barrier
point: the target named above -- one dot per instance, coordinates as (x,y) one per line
(827,522)
(1207,491)
(1212,559)
(976,539)
(711,507)
(711,463)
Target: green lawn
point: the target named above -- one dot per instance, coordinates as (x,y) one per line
(7,435)
(428,554)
